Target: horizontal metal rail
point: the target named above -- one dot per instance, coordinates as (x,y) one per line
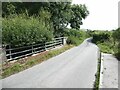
(20,52)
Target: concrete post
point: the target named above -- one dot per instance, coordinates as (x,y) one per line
(64,40)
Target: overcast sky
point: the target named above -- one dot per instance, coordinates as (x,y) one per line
(103,14)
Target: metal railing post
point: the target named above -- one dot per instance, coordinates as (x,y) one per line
(32,50)
(54,43)
(10,52)
(45,47)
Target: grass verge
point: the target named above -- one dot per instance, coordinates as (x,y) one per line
(97,75)
(106,47)
(22,64)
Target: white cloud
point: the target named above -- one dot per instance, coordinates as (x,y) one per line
(103,14)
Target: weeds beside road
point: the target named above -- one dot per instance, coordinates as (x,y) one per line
(97,75)
(108,41)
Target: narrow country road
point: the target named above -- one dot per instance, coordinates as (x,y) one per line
(74,68)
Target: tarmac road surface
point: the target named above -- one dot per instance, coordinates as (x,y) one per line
(75,68)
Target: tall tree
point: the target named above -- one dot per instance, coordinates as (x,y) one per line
(62,13)
(79,12)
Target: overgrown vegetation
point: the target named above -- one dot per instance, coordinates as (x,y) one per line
(108,41)
(23,30)
(22,64)
(25,23)
(116,38)
(104,40)
(75,37)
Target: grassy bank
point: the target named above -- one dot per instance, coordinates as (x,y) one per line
(10,68)
(104,40)
(108,41)
(106,47)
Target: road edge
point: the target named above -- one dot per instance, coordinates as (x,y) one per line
(97,75)
(101,72)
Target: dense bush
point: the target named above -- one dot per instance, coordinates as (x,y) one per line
(100,37)
(73,40)
(117,52)
(109,42)
(116,34)
(22,30)
(104,40)
(72,32)
(74,36)
(116,37)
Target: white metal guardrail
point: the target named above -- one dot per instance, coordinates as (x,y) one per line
(20,52)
